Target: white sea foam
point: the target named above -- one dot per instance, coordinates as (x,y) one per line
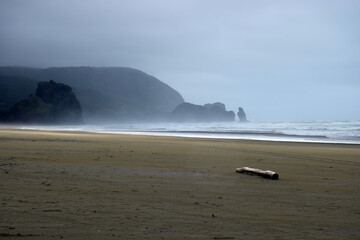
(336,132)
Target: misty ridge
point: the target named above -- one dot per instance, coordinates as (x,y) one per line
(98,95)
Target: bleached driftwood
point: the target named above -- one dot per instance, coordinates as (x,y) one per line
(264,173)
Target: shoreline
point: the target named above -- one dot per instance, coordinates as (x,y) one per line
(184,134)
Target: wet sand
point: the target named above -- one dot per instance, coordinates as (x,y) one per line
(57,185)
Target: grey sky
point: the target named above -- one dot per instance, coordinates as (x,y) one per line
(280,60)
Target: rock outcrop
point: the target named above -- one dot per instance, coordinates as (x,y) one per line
(52,103)
(241,115)
(188,112)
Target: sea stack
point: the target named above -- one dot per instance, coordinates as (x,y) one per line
(241,114)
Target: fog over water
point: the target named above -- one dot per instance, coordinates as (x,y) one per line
(279,60)
(322,132)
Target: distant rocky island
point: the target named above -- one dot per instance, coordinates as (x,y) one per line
(188,112)
(97,95)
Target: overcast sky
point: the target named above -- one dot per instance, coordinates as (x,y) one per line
(279,60)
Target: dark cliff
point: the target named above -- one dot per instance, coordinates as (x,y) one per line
(52,103)
(110,93)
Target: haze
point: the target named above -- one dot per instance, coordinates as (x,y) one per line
(279,60)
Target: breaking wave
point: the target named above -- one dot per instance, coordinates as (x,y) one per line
(337,132)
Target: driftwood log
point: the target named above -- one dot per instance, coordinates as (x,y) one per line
(264,173)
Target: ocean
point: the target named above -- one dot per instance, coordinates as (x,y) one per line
(316,131)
